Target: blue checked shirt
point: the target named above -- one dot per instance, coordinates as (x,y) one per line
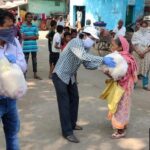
(72,57)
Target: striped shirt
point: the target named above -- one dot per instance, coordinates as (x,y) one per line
(29,45)
(72,57)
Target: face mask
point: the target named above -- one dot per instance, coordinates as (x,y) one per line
(8,35)
(143,30)
(88,43)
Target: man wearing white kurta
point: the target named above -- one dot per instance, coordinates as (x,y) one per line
(120,30)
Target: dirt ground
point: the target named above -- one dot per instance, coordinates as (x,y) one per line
(40,126)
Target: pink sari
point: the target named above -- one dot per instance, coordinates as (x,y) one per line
(121,118)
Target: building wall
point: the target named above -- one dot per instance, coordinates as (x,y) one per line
(110,11)
(139,9)
(45,6)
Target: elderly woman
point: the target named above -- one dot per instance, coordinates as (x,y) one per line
(11,49)
(141,43)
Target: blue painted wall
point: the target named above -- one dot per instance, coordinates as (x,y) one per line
(139,9)
(110,11)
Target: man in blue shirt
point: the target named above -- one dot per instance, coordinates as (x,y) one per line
(30,35)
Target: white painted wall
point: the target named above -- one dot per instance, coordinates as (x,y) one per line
(76,3)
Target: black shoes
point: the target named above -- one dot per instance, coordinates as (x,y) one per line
(72,138)
(77,127)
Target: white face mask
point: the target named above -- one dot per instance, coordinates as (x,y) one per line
(143,30)
(88,43)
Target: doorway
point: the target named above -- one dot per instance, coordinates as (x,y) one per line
(129,15)
(79,15)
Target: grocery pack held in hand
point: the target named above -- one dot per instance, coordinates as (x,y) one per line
(12,79)
(121,66)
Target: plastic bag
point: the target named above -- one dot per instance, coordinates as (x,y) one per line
(12,80)
(121,66)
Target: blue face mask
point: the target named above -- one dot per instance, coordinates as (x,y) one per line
(8,35)
(88,43)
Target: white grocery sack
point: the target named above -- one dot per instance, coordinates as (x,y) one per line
(12,79)
(121,66)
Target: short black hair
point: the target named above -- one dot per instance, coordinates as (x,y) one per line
(73,31)
(4,14)
(144,22)
(27,14)
(81,35)
(67,33)
(60,29)
(66,28)
(53,23)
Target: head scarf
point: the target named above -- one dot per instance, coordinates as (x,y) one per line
(125,44)
(8,35)
(132,65)
(125,53)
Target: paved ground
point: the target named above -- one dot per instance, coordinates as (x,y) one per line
(40,127)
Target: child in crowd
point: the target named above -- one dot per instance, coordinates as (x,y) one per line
(74,33)
(66,29)
(50,36)
(66,39)
(56,46)
(120,118)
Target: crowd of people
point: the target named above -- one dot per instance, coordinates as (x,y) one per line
(139,46)
(58,37)
(68,49)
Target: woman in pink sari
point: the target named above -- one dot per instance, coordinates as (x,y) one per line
(120,119)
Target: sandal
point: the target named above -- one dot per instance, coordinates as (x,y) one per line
(117,135)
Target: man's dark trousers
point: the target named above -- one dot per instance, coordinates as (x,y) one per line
(68,102)
(34,59)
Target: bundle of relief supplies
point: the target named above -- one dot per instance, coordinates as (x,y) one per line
(121,66)
(113,91)
(12,81)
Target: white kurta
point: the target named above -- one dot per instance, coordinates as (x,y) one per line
(142,42)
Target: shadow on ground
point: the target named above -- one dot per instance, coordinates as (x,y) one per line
(40,127)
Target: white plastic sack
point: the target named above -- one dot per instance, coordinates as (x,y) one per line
(121,66)
(12,79)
